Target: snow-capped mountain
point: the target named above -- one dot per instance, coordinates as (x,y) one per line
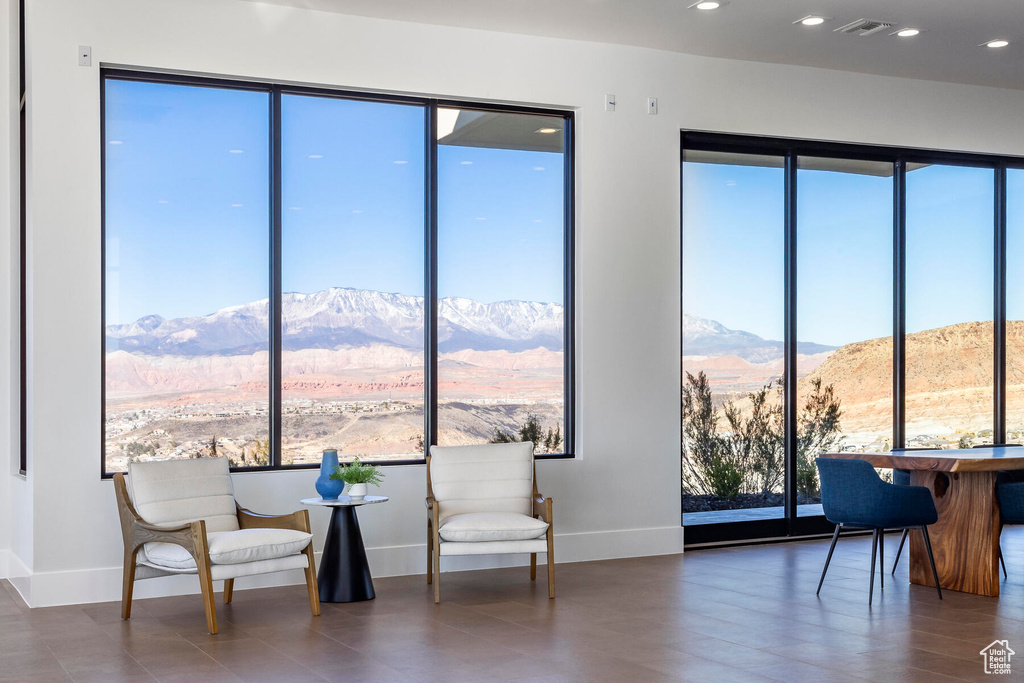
(703,337)
(342,317)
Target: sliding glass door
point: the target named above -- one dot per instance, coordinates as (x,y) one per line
(733,276)
(844,324)
(949,322)
(839,298)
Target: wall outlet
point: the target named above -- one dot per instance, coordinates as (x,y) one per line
(84,55)
(609,102)
(652,105)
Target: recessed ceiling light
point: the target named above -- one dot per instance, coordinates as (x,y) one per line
(546,131)
(999,42)
(812,20)
(906,32)
(708,4)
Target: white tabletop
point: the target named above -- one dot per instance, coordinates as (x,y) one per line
(344,501)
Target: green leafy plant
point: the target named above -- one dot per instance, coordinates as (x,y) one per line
(357,472)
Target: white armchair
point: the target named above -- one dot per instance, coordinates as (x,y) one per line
(180,517)
(483,500)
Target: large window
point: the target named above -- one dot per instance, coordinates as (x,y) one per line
(289,270)
(733,275)
(501,306)
(187,314)
(873,284)
(949,357)
(352,278)
(844,321)
(1015,305)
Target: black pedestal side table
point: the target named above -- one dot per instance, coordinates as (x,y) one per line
(344,575)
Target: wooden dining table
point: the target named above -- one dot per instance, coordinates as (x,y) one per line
(966,536)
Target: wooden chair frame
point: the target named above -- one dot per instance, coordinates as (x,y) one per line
(541,510)
(136,532)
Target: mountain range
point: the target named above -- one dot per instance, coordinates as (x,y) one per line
(344,317)
(703,337)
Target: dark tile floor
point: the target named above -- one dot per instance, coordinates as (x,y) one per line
(738,614)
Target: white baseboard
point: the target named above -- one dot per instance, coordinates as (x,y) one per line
(47,589)
(19,575)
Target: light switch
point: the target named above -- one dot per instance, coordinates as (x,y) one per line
(652,105)
(609,102)
(84,55)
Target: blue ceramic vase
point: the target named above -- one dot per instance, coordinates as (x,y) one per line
(328,488)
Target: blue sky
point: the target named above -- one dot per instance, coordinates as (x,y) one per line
(187,203)
(733,249)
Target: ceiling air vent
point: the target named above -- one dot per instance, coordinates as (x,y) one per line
(864,27)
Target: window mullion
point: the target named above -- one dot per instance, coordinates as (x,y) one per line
(430,273)
(276,458)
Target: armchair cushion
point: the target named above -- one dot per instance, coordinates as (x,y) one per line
(232,547)
(484,478)
(174,492)
(491,526)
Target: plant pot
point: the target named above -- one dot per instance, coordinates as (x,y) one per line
(357,491)
(329,489)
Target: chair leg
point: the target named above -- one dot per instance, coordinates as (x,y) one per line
(430,553)
(899,551)
(931,558)
(311,585)
(551,567)
(874,553)
(127,585)
(533,566)
(831,548)
(881,559)
(206,585)
(229,590)
(437,576)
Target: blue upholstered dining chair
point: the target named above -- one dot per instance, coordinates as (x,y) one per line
(853,496)
(1010,494)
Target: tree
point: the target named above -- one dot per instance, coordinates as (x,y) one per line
(750,456)
(531,430)
(707,467)
(818,432)
(553,441)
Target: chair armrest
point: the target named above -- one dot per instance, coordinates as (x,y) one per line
(542,508)
(430,502)
(298,520)
(136,532)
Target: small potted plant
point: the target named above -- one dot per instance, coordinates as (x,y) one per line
(357,475)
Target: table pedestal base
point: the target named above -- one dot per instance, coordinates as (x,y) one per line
(966,537)
(344,573)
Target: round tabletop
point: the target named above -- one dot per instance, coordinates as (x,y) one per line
(344,501)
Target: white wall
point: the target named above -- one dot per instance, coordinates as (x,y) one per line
(627,241)
(7,130)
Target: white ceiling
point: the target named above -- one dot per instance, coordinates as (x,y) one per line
(758,30)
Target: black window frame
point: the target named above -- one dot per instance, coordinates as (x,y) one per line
(22,248)
(430,106)
(792,149)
